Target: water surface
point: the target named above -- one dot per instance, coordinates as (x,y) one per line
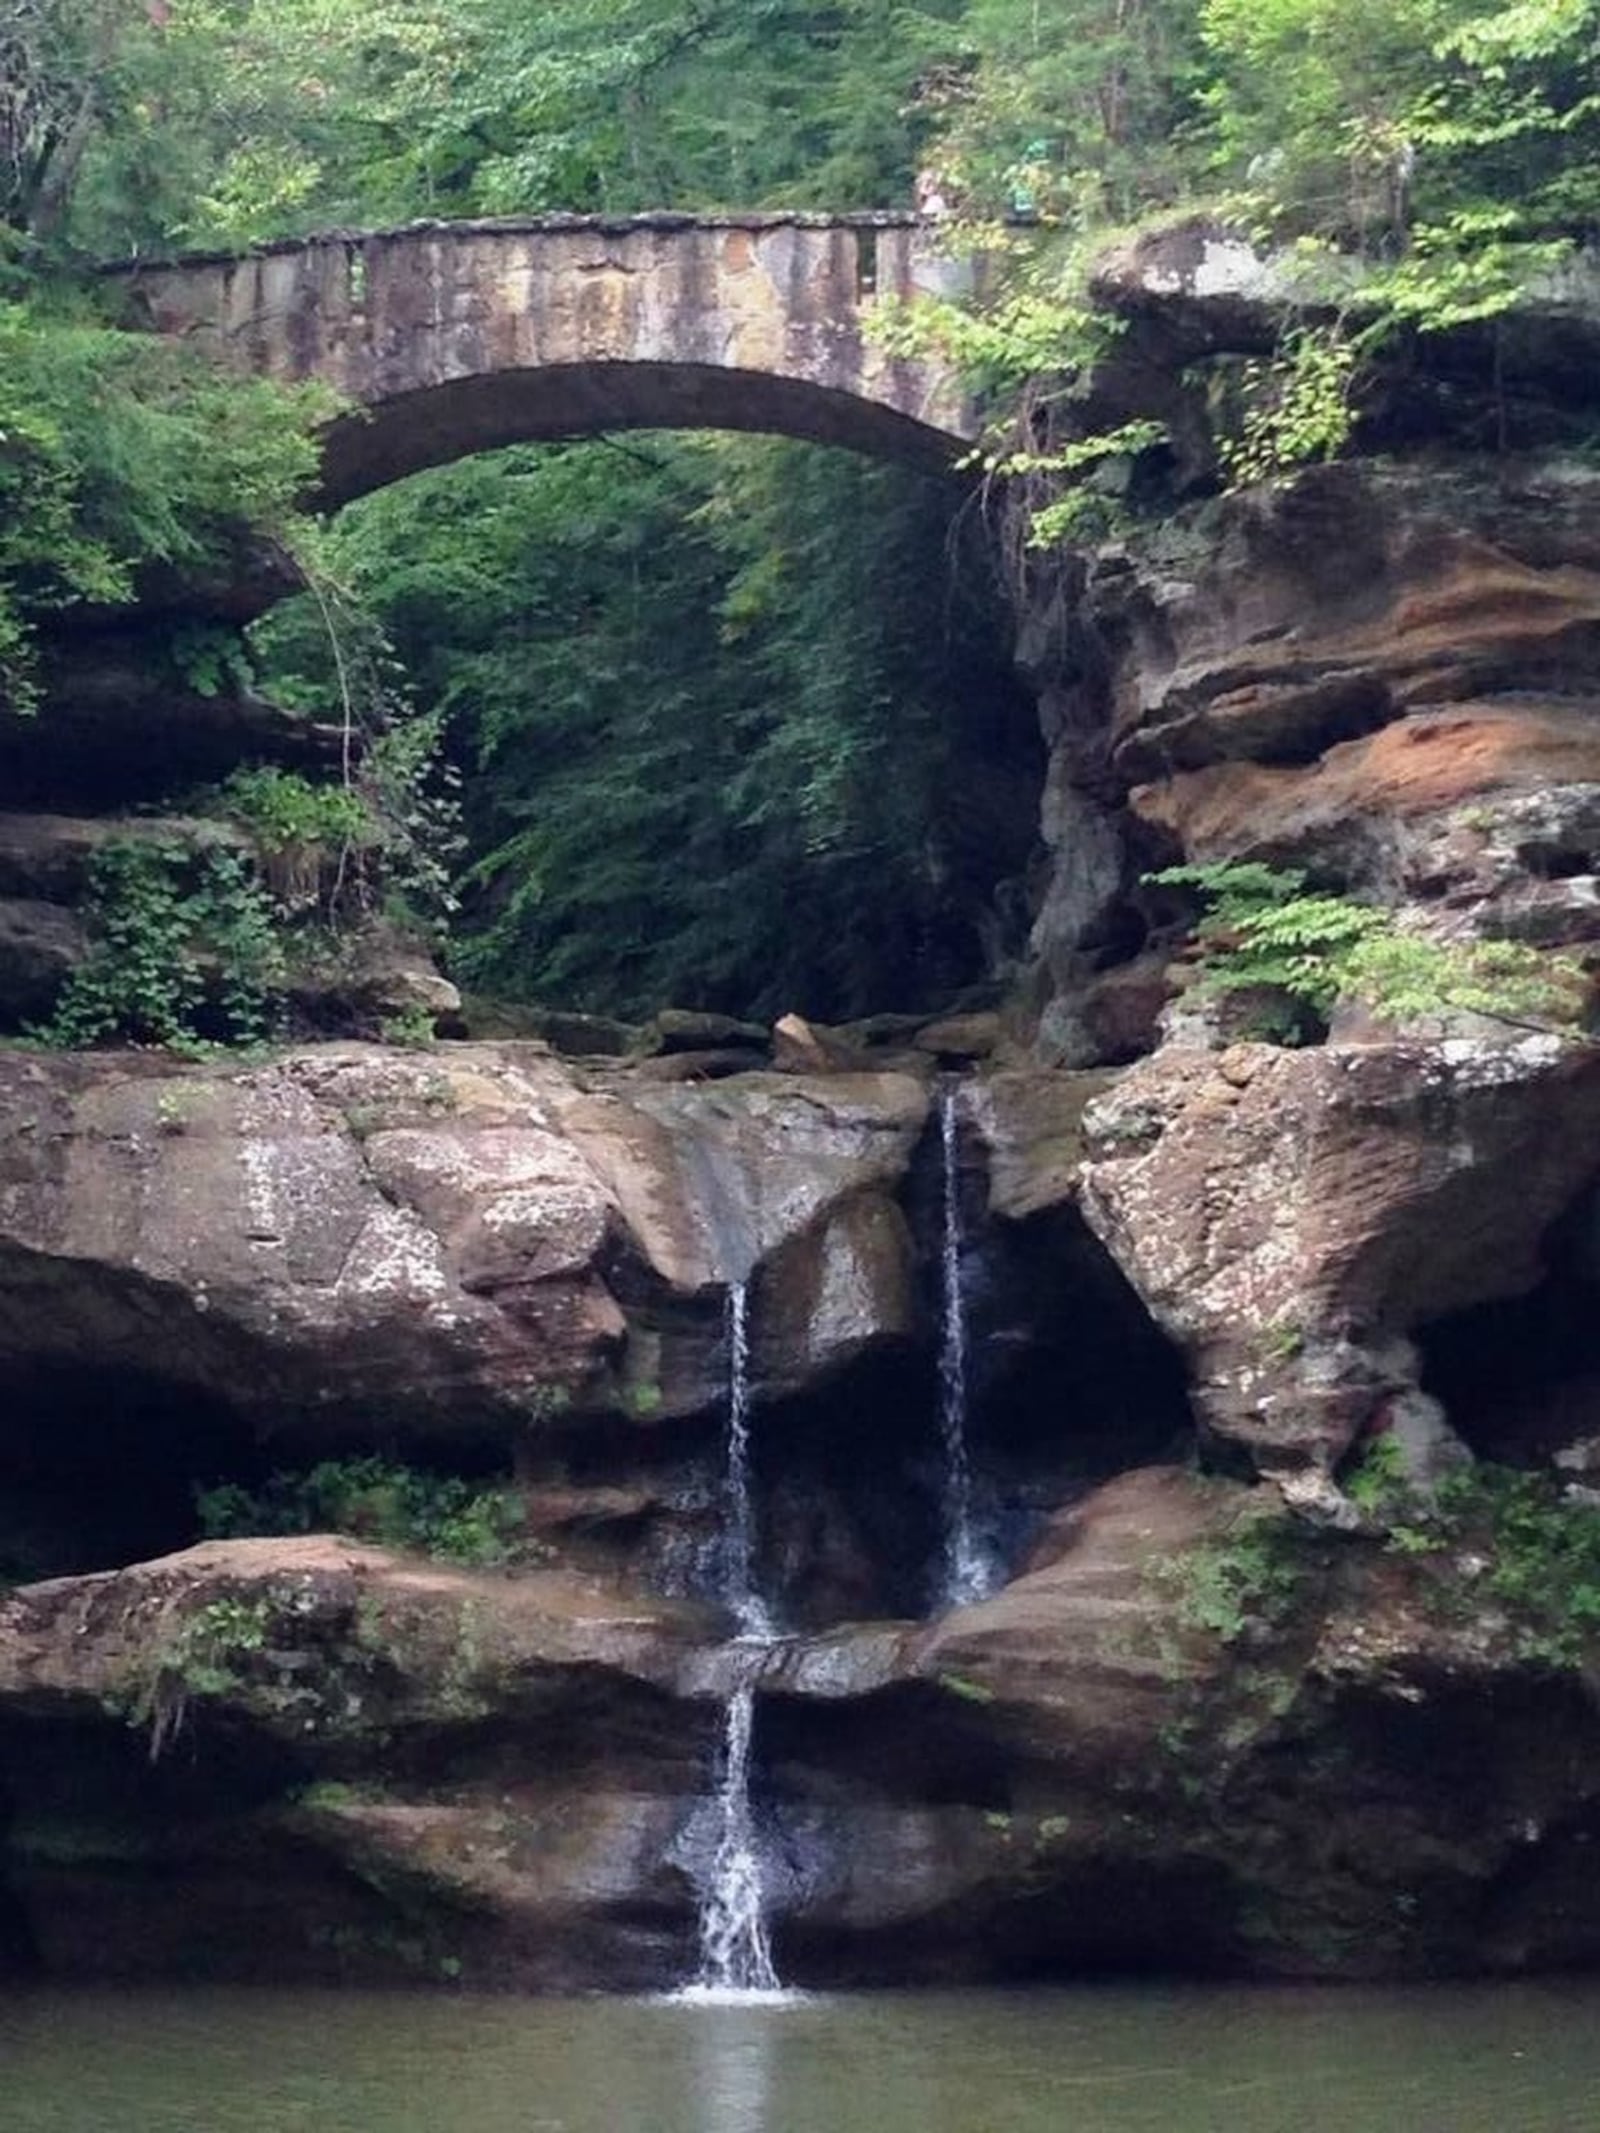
(1501,2059)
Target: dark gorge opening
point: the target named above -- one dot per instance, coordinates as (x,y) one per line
(99,1462)
(731,723)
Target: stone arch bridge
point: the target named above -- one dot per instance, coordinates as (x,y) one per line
(455,337)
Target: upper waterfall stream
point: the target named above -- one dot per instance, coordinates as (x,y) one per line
(740,1586)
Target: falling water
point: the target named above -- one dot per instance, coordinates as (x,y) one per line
(739,1519)
(734,1952)
(966,1574)
(735,1955)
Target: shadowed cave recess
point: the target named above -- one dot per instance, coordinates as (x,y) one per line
(1069,1382)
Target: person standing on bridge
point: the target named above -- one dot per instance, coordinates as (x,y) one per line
(933,203)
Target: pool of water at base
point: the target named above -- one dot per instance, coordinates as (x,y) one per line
(1511,2058)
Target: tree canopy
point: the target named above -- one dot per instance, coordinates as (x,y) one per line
(730,714)
(145,122)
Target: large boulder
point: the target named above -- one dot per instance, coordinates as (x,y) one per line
(321,1761)
(464,1237)
(1291,1218)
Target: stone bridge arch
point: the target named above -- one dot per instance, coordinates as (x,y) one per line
(451,338)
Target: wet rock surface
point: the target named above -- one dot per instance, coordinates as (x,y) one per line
(1292,1217)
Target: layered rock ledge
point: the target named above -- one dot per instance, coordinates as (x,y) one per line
(480,1233)
(310,1759)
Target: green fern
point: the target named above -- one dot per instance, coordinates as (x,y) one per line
(1264,930)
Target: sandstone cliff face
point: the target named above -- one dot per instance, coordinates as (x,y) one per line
(1386,675)
(1186,1730)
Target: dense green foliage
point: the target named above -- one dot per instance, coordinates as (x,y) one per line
(733,727)
(117,451)
(183,950)
(1451,130)
(720,719)
(376,1500)
(1266,931)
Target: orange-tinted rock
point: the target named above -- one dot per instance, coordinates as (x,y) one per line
(1424,764)
(1329,606)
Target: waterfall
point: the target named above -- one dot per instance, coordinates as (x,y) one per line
(739,1517)
(735,1955)
(734,1951)
(966,1573)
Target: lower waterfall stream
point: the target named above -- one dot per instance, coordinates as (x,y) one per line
(735,1953)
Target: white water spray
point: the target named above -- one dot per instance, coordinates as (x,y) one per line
(966,1572)
(735,1954)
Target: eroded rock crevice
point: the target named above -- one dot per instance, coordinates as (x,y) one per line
(1519,1376)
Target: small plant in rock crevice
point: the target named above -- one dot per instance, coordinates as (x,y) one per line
(1495,1537)
(1267,931)
(1295,409)
(1240,1582)
(1378,1482)
(411,1028)
(200,1655)
(1281,1341)
(312,841)
(209,658)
